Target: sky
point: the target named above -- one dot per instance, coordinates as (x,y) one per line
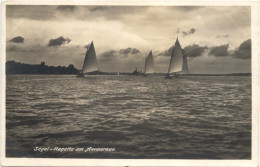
(216,39)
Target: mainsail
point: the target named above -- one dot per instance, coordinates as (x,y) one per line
(90,62)
(185,69)
(149,64)
(176,62)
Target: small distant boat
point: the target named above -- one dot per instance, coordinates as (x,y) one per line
(135,72)
(90,63)
(149,65)
(178,63)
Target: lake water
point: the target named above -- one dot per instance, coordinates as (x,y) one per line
(194,117)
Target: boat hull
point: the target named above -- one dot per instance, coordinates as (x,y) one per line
(145,75)
(80,76)
(168,76)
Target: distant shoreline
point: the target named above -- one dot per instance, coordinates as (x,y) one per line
(17,68)
(158,74)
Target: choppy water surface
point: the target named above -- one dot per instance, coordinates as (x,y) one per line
(198,117)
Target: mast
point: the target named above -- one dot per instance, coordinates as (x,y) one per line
(90,62)
(145,58)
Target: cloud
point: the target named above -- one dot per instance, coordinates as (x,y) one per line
(167,52)
(222,36)
(66,8)
(128,24)
(243,51)
(122,53)
(18,39)
(191,31)
(190,51)
(129,50)
(20,49)
(34,12)
(134,51)
(110,12)
(219,51)
(123,60)
(59,41)
(189,8)
(107,55)
(98,8)
(194,50)
(34,54)
(12,48)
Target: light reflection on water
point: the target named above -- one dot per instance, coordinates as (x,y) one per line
(142,117)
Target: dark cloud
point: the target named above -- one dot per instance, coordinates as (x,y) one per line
(18,39)
(190,51)
(47,12)
(108,54)
(191,31)
(34,54)
(124,60)
(59,41)
(222,36)
(99,8)
(129,51)
(194,50)
(111,12)
(134,51)
(12,48)
(113,55)
(35,12)
(66,8)
(244,50)
(188,8)
(219,51)
(116,9)
(167,52)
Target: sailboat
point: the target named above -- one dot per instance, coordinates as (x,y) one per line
(178,63)
(90,62)
(149,65)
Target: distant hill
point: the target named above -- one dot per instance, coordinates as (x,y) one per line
(13,67)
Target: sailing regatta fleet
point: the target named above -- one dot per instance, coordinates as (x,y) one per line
(178,63)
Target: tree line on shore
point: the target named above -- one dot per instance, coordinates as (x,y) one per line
(13,67)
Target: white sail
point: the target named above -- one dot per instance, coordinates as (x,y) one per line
(149,64)
(90,62)
(185,69)
(176,63)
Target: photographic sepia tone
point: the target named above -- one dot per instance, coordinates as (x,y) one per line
(128,82)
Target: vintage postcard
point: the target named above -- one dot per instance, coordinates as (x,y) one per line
(120,83)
